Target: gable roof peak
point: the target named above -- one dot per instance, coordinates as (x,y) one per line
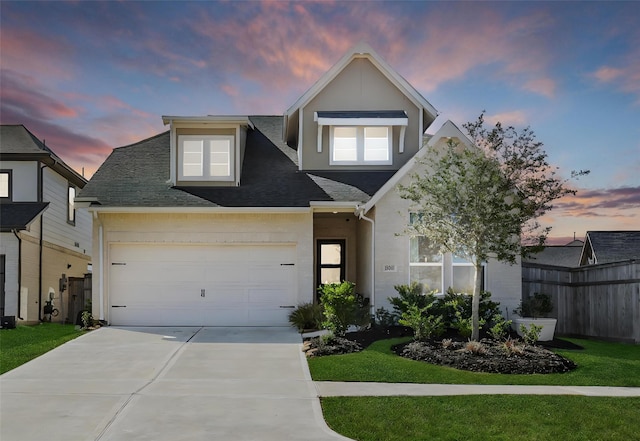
(362,50)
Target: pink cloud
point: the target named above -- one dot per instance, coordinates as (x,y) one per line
(24,50)
(513,118)
(600,209)
(623,72)
(22,93)
(541,86)
(607,73)
(516,49)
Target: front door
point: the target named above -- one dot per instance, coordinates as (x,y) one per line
(330,261)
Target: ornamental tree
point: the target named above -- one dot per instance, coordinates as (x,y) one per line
(484,201)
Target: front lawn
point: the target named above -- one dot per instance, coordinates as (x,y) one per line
(599,364)
(24,343)
(484,417)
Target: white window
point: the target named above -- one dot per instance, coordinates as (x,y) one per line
(376,144)
(361,145)
(71,205)
(463,273)
(5,184)
(205,158)
(425,264)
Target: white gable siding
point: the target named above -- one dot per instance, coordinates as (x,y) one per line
(24,179)
(56,228)
(360,86)
(392,250)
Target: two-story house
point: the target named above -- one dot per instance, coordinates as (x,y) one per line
(235,220)
(43,235)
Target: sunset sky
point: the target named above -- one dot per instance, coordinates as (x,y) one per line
(91,76)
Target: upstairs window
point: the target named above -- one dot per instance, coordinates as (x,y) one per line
(361,145)
(361,137)
(5,184)
(71,205)
(205,158)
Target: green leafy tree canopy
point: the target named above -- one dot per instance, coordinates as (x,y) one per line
(484,201)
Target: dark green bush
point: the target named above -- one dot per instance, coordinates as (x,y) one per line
(342,307)
(411,295)
(307,316)
(538,305)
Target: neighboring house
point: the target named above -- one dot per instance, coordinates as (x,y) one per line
(235,220)
(558,255)
(43,236)
(610,246)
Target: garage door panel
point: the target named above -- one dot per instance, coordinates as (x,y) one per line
(161,284)
(268,296)
(220,274)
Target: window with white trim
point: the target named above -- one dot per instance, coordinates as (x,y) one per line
(463,274)
(425,264)
(360,145)
(205,157)
(71,205)
(5,184)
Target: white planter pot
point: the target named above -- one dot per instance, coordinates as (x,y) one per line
(548,326)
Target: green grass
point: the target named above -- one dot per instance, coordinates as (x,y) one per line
(24,343)
(484,417)
(599,364)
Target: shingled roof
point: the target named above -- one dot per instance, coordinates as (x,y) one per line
(18,143)
(610,246)
(18,215)
(138,176)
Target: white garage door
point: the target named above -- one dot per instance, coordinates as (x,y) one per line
(193,285)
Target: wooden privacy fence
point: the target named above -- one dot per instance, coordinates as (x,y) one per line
(601,301)
(79,294)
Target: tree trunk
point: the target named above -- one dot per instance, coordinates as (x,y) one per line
(475,302)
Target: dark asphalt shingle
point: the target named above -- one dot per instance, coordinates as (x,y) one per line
(18,215)
(615,246)
(138,176)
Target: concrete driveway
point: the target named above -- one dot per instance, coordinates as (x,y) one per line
(117,384)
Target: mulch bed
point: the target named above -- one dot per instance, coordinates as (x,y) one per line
(453,351)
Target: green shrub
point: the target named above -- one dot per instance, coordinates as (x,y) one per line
(87,319)
(499,327)
(535,306)
(306,316)
(455,307)
(342,307)
(531,334)
(385,318)
(411,295)
(424,325)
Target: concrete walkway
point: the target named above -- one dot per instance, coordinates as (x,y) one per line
(166,384)
(339,389)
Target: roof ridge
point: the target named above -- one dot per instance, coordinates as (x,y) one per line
(143,140)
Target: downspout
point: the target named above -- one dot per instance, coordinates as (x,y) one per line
(15,233)
(41,242)
(361,216)
(101,268)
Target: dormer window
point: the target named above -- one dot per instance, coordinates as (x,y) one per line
(360,145)
(206,157)
(361,137)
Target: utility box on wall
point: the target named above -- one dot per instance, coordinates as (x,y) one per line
(8,322)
